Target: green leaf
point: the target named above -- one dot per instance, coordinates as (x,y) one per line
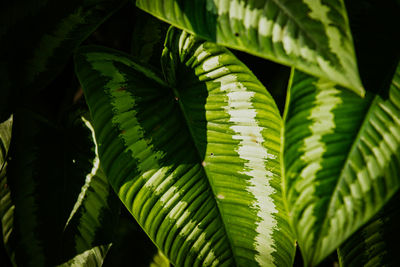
(51,31)
(90,227)
(194,159)
(148,38)
(160,260)
(6,206)
(46,172)
(313,36)
(341,160)
(377,243)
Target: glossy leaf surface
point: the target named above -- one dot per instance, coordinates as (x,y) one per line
(341,159)
(194,157)
(313,36)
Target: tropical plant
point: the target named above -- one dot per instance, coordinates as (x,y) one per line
(235,133)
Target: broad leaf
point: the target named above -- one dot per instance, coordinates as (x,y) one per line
(50,30)
(46,172)
(195,159)
(341,160)
(377,243)
(313,36)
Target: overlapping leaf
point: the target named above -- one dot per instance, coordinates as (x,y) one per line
(195,159)
(46,172)
(313,36)
(341,159)
(377,243)
(37,38)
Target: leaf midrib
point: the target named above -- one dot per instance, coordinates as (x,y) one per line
(333,197)
(193,138)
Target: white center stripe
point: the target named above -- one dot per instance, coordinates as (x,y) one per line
(255,155)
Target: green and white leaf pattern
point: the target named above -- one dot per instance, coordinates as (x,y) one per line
(195,159)
(341,160)
(311,35)
(377,243)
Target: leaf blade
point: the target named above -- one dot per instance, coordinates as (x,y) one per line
(340,159)
(175,188)
(312,36)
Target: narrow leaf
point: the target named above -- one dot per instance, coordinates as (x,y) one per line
(341,159)
(195,159)
(313,36)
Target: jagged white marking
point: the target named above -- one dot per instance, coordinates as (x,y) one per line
(250,149)
(314,148)
(342,49)
(323,124)
(153,178)
(89,176)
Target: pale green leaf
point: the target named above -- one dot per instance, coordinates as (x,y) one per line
(194,158)
(313,36)
(341,160)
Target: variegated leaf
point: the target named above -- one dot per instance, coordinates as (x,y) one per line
(50,31)
(195,159)
(47,167)
(376,243)
(313,36)
(89,230)
(342,155)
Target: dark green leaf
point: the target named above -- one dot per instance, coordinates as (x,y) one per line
(46,172)
(377,243)
(37,38)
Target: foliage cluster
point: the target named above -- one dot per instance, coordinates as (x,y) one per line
(235,132)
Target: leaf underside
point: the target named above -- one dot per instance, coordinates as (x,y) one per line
(194,158)
(341,160)
(313,36)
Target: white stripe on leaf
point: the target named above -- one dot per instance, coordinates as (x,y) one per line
(251,150)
